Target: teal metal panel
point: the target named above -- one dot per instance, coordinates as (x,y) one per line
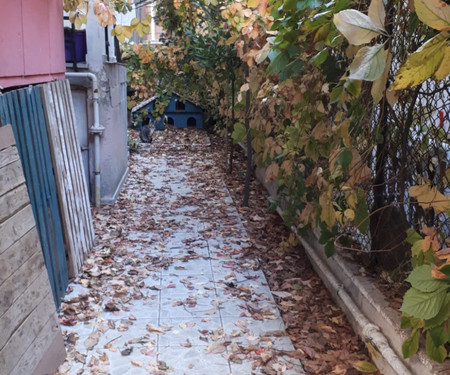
(24,111)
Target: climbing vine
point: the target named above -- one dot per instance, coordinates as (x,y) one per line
(346,106)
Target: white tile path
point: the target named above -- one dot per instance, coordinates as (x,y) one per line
(187,301)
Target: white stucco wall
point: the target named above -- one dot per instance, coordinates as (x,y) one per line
(114,141)
(112,110)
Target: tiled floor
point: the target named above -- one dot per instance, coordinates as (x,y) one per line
(187,301)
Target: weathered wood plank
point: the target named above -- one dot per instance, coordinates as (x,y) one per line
(15,227)
(20,280)
(37,349)
(23,306)
(72,146)
(28,330)
(82,187)
(19,252)
(13,201)
(62,180)
(32,357)
(8,155)
(73,197)
(6,137)
(11,176)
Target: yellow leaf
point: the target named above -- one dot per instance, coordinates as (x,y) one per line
(272,172)
(327,215)
(377,13)
(430,197)
(79,21)
(253,3)
(444,69)
(117,30)
(352,199)
(379,86)
(306,213)
(349,214)
(134,22)
(358,172)
(423,63)
(177,4)
(342,131)
(127,32)
(365,366)
(434,13)
(139,31)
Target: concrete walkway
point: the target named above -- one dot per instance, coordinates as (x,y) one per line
(168,288)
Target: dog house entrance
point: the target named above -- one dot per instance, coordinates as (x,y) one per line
(191,122)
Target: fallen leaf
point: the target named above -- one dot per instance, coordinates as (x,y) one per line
(127,351)
(92,340)
(216,348)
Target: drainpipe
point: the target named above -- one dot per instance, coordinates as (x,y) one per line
(96,129)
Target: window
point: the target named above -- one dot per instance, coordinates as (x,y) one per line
(180,106)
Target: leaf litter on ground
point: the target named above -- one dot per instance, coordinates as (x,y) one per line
(117,272)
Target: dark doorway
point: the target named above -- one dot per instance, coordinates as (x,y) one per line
(191,122)
(170,121)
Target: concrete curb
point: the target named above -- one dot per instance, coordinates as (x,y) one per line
(365,307)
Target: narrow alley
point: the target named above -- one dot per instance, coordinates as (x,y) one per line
(167,288)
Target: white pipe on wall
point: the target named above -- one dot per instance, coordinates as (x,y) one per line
(96,129)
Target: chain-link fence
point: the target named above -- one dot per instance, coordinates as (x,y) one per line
(411,137)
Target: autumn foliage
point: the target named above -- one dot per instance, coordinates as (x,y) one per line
(342,114)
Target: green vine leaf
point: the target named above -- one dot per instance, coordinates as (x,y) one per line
(437,353)
(434,13)
(421,279)
(426,62)
(441,317)
(439,335)
(411,345)
(365,367)
(423,305)
(239,133)
(357,27)
(369,63)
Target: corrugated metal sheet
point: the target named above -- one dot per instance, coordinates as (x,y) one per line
(23,109)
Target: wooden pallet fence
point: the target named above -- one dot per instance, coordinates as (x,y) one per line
(67,163)
(28,321)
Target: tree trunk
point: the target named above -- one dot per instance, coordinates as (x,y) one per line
(230,163)
(226,125)
(249,143)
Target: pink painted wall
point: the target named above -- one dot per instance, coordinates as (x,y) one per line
(31,42)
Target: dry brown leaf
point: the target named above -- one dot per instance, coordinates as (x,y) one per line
(216,348)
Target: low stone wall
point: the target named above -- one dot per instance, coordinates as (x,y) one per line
(365,306)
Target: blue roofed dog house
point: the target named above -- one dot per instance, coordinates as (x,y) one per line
(181,114)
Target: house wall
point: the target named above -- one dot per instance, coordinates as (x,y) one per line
(113,117)
(31,42)
(112,83)
(114,141)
